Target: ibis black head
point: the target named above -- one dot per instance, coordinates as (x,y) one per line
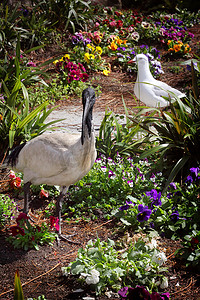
(88,100)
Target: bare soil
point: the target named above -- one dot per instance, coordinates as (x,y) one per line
(40,271)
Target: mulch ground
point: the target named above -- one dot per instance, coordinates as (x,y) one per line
(40,271)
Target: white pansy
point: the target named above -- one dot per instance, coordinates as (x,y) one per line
(93,277)
(164,283)
(152,244)
(160,258)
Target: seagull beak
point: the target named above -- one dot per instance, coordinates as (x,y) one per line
(132,61)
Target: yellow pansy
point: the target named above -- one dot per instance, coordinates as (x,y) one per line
(88,46)
(92,56)
(106,72)
(67,56)
(99,50)
(87,57)
(55,62)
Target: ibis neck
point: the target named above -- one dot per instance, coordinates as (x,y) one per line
(87,127)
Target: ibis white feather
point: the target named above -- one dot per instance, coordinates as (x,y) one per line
(149,90)
(57,158)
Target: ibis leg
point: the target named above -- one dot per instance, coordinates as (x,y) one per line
(26,196)
(58,213)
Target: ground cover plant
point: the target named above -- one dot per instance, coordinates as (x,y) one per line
(145,184)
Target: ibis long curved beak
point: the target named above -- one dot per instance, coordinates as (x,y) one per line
(85,121)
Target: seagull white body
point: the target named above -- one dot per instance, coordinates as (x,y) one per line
(149,90)
(57,158)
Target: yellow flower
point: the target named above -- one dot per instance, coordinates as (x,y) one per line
(106,72)
(92,56)
(99,50)
(67,56)
(55,62)
(169,42)
(88,46)
(87,57)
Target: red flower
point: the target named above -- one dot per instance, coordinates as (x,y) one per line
(84,77)
(15,230)
(54,223)
(22,216)
(43,194)
(119,23)
(117,13)
(12,175)
(81,67)
(74,75)
(194,241)
(15,182)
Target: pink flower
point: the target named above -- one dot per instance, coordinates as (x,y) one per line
(54,223)
(113,23)
(31,64)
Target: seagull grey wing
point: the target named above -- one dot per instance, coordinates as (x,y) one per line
(160,91)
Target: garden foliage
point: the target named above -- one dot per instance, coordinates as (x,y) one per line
(157,196)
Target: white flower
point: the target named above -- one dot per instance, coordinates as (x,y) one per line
(93,277)
(135,36)
(164,283)
(160,258)
(152,244)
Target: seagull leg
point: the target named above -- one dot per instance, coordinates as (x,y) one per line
(26,196)
(58,213)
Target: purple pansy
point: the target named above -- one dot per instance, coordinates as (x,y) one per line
(126,206)
(144,213)
(175,216)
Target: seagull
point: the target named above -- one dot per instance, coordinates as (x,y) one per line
(149,90)
(57,158)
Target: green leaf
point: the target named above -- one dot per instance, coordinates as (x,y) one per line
(178,166)
(32,115)
(18,292)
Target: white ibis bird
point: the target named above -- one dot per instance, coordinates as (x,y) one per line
(57,158)
(149,90)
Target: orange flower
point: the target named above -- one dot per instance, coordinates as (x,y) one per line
(113,46)
(177,48)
